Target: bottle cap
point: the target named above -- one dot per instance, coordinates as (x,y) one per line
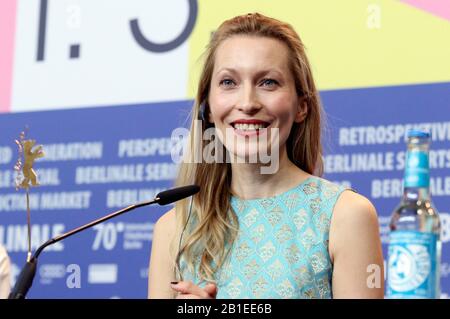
(417,133)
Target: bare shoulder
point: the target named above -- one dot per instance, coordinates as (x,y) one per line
(165,228)
(354,219)
(353,207)
(167,221)
(162,257)
(354,245)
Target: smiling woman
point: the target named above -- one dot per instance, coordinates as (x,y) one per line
(249,234)
(252,92)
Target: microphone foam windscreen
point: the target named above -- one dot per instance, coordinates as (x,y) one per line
(175,194)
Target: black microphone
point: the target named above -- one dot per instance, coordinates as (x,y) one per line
(175,194)
(25,279)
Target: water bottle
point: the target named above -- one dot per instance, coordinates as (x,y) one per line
(414,241)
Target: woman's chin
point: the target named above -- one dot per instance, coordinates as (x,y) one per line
(251,155)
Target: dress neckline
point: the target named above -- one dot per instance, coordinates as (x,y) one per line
(236,198)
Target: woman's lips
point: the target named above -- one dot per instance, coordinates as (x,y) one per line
(250,121)
(249,133)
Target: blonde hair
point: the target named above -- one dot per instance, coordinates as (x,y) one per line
(213,225)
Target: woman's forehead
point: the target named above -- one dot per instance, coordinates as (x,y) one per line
(251,52)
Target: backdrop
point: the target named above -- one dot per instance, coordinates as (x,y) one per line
(102,85)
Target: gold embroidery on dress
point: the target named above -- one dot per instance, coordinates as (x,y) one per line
(285,289)
(251,269)
(275,269)
(234,288)
(243,251)
(284,234)
(292,254)
(250,218)
(315,204)
(300,218)
(308,239)
(274,215)
(291,201)
(260,287)
(267,251)
(258,233)
(310,188)
(317,262)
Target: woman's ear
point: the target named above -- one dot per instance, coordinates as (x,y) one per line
(204,114)
(302,111)
(209,117)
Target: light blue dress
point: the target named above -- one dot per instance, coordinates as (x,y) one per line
(282,247)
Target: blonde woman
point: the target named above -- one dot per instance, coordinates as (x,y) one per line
(284,234)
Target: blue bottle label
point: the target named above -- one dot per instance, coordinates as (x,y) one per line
(412,265)
(417,172)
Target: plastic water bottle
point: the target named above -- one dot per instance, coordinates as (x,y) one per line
(414,243)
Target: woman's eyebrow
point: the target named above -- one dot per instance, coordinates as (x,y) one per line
(270,70)
(257,74)
(230,70)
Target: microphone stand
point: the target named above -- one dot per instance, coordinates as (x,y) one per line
(28,272)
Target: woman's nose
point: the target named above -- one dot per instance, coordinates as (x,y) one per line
(248,101)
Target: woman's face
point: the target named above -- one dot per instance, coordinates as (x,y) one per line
(252,92)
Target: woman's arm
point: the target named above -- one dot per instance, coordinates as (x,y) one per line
(5,273)
(161,271)
(162,283)
(355,249)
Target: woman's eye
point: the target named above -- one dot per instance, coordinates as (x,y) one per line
(227,82)
(269,82)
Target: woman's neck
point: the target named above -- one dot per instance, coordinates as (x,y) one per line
(247,182)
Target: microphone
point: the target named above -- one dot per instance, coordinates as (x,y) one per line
(175,194)
(25,279)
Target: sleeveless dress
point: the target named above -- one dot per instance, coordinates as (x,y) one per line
(281,250)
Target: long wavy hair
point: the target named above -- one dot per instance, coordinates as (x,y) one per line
(205,235)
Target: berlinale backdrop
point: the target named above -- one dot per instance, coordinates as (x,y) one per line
(102,85)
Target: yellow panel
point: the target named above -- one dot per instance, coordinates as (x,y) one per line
(350,43)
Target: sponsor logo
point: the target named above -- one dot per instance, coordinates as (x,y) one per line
(102,273)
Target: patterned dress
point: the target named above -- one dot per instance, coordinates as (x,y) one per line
(282,246)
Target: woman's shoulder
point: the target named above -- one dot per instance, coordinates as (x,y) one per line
(166,222)
(353,205)
(353,212)
(354,223)
(3,254)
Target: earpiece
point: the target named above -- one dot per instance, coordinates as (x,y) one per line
(203,114)
(178,273)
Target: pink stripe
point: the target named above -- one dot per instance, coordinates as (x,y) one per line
(440,8)
(7,32)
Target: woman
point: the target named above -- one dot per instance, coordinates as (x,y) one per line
(283,234)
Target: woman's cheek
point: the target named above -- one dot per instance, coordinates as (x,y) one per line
(219,107)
